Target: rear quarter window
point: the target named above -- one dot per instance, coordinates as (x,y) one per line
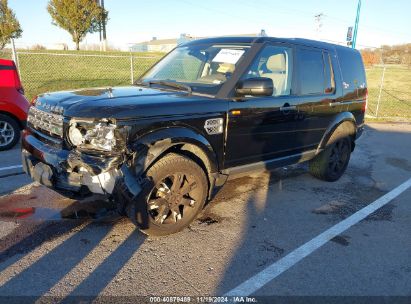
(352,68)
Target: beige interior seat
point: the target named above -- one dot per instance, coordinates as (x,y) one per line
(226,68)
(220,74)
(277,72)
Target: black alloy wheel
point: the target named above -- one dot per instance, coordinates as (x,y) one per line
(340,154)
(173,198)
(176,193)
(332,162)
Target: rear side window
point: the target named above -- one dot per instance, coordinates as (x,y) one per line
(352,68)
(311,72)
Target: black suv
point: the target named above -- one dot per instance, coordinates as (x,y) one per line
(209,109)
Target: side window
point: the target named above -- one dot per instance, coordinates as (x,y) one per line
(329,74)
(276,63)
(310,71)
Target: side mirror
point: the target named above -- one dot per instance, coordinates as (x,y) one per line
(259,86)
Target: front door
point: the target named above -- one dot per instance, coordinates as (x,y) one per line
(263,128)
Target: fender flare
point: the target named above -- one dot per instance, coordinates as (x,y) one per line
(338,120)
(149,147)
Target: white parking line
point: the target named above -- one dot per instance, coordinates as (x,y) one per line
(274,270)
(11,167)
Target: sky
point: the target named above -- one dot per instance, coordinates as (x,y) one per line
(131,21)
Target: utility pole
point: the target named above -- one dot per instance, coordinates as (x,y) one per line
(104,29)
(318,22)
(15,57)
(357,20)
(99,27)
(100,38)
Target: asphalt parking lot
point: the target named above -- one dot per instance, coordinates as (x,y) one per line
(54,246)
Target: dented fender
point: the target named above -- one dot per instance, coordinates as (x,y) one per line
(145,151)
(148,148)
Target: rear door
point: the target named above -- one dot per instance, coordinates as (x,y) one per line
(317,93)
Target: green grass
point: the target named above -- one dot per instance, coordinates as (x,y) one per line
(44,71)
(396,94)
(80,69)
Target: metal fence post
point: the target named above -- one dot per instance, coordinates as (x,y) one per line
(379,95)
(14,53)
(131,68)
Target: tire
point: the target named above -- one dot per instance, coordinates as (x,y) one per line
(9,132)
(174,197)
(332,162)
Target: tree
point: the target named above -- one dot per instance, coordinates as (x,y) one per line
(78,17)
(9,25)
(369,57)
(38,47)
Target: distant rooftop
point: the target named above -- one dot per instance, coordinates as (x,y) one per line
(186,37)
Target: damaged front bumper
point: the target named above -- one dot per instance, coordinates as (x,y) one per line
(68,171)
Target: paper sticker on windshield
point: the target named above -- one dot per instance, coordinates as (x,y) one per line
(228,56)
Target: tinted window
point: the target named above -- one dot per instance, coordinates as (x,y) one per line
(310,71)
(274,62)
(352,68)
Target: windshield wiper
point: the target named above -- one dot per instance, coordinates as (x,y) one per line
(171,84)
(140,83)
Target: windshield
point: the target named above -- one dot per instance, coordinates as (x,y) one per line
(204,68)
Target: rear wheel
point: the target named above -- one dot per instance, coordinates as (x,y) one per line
(9,132)
(176,195)
(331,163)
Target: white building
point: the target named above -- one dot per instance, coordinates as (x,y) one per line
(166,45)
(160,45)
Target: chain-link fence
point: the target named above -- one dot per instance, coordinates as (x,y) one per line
(45,71)
(389,88)
(5,54)
(389,84)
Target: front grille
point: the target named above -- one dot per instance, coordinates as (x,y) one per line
(47,122)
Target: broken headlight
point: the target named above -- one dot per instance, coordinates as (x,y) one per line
(102,136)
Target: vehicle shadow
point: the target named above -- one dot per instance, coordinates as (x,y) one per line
(37,225)
(96,281)
(258,245)
(264,240)
(86,235)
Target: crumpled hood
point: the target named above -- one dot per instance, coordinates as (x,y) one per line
(119,102)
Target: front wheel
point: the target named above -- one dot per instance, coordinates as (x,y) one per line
(9,132)
(175,196)
(331,163)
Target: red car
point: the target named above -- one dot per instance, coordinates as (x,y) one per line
(13,105)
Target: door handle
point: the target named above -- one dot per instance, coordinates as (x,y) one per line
(334,103)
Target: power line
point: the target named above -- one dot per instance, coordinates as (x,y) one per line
(308,14)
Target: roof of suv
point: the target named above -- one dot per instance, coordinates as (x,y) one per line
(301,41)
